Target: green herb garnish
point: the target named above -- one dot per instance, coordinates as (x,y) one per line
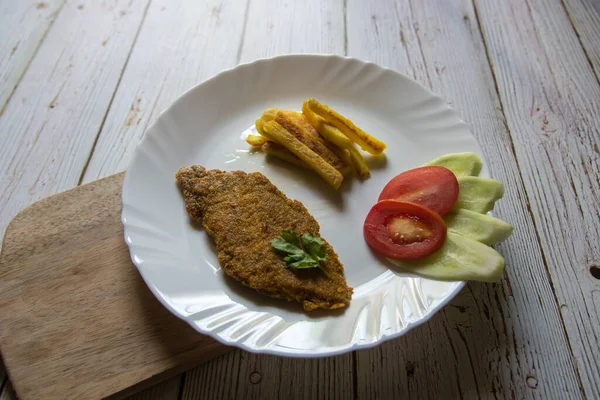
(301,253)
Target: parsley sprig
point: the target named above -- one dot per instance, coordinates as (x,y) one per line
(306,251)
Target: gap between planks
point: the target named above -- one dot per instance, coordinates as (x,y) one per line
(531,215)
(161,68)
(203,28)
(34,54)
(238,56)
(91,153)
(31,56)
(528,202)
(238,60)
(561,194)
(427,48)
(587,30)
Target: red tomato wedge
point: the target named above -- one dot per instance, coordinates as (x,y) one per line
(435,188)
(403,231)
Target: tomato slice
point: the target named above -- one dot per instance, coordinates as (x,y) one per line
(435,188)
(403,231)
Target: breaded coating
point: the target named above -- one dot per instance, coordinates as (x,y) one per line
(243,212)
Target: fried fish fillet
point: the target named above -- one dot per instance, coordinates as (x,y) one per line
(243,212)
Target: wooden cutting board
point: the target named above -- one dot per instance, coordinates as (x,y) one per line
(76,319)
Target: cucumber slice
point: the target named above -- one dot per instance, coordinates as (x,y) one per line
(478,194)
(460,259)
(483,228)
(462,164)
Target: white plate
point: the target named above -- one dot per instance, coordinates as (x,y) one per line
(207,126)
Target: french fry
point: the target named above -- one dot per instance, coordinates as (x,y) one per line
(299,119)
(305,133)
(277,150)
(259,126)
(343,154)
(353,132)
(337,150)
(307,129)
(312,159)
(293,114)
(358,163)
(329,132)
(334,135)
(310,135)
(256,140)
(269,114)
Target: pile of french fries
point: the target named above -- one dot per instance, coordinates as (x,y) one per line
(318,138)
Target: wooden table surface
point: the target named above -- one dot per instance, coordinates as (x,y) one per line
(81,80)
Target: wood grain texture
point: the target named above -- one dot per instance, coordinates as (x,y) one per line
(288,26)
(167,390)
(49,126)
(164,63)
(585,17)
(492,341)
(550,97)
(24,25)
(488,341)
(76,319)
(274,28)
(242,375)
(37,157)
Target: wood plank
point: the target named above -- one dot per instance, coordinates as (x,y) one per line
(585,16)
(488,341)
(162,67)
(24,25)
(550,97)
(49,126)
(167,390)
(289,26)
(242,375)
(76,318)
(27,23)
(275,28)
